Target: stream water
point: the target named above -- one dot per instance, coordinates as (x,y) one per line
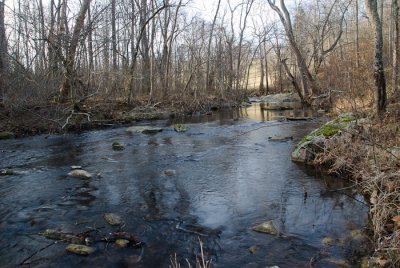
(228,177)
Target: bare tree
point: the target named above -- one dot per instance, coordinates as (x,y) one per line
(69,63)
(308,84)
(379,75)
(3,54)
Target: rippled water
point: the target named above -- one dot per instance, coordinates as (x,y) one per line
(228,177)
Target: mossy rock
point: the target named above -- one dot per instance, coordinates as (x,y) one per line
(5,135)
(314,143)
(180,128)
(117,146)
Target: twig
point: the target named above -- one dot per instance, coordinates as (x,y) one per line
(40,250)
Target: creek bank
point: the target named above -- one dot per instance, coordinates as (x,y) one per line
(90,114)
(366,151)
(95,114)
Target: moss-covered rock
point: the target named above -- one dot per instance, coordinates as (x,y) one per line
(4,135)
(180,128)
(314,143)
(117,146)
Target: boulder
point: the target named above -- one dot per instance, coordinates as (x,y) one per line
(266,227)
(144,129)
(314,143)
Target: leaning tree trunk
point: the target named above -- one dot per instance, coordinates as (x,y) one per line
(308,83)
(379,75)
(69,80)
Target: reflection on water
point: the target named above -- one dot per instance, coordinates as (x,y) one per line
(228,177)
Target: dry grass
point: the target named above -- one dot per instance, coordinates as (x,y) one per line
(201,261)
(370,155)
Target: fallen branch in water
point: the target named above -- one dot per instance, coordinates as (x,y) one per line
(37,252)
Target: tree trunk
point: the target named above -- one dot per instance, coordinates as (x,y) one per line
(90,41)
(145,48)
(292,80)
(357,36)
(396,49)
(261,88)
(208,80)
(3,55)
(69,80)
(113,35)
(379,75)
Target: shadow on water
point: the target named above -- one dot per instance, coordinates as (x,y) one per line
(227,176)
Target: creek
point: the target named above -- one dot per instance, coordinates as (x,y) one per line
(225,177)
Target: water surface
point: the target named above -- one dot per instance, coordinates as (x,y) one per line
(228,177)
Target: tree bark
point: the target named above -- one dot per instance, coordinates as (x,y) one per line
(379,75)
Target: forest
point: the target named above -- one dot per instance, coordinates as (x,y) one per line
(117,53)
(68,66)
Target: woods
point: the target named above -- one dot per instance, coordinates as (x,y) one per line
(160,51)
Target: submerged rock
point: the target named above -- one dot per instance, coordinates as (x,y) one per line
(280,138)
(122,243)
(339,262)
(314,143)
(80,173)
(198,229)
(327,241)
(4,135)
(59,235)
(266,227)
(253,249)
(6,172)
(169,172)
(113,219)
(80,249)
(180,128)
(117,146)
(144,129)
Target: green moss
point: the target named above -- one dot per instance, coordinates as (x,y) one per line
(6,135)
(329,130)
(180,128)
(117,146)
